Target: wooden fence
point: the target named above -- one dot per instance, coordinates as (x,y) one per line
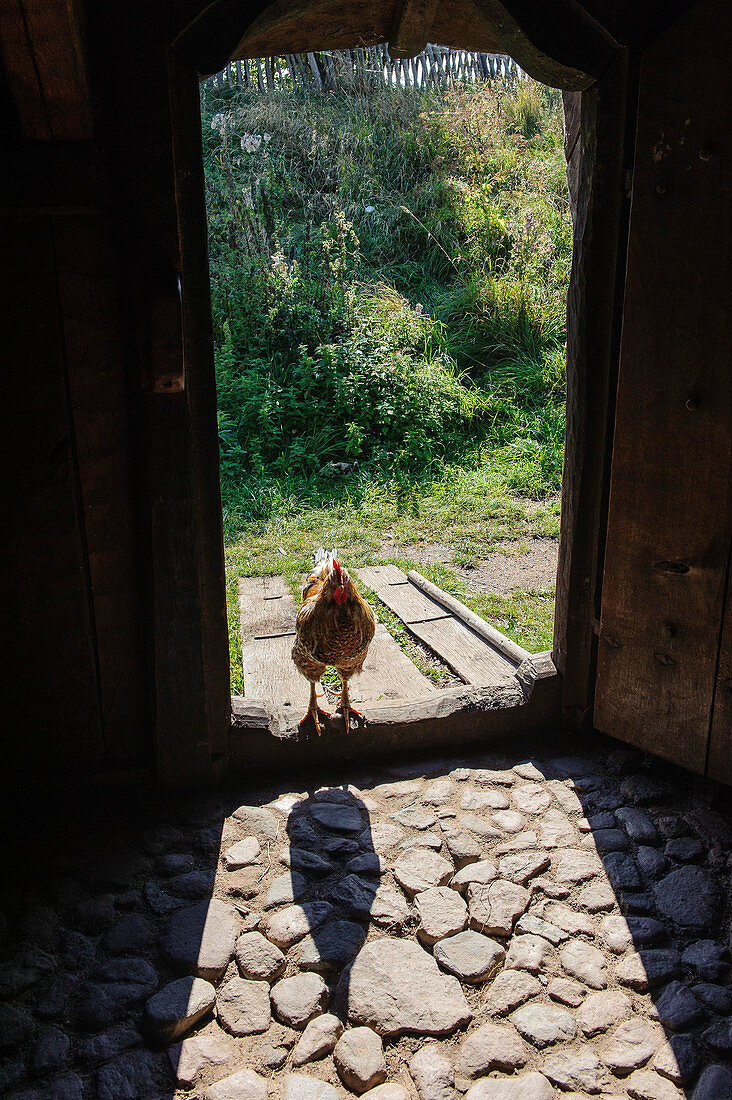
(436,66)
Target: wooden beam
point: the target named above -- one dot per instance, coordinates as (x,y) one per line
(410,31)
(52,177)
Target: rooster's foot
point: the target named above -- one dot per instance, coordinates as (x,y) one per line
(316,713)
(347,711)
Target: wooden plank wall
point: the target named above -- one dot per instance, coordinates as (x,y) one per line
(670,520)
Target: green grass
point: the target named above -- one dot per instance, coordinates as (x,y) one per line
(389,272)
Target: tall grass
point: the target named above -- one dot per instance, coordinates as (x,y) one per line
(389,271)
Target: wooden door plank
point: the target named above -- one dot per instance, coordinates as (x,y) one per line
(467,654)
(669,524)
(388,675)
(266,607)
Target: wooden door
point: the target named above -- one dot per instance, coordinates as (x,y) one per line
(666,569)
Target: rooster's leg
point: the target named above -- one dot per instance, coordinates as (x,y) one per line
(345,705)
(314,711)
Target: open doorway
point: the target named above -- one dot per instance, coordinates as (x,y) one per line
(390,249)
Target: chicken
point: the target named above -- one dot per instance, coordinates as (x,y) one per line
(334,626)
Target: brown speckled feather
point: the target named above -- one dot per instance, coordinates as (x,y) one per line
(331,635)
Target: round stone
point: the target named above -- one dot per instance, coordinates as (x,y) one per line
(318,1039)
(544,1024)
(432,1073)
(616,934)
(578,1069)
(395,987)
(584,962)
(242,853)
(258,820)
(340,819)
(679,1009)
(332,946)
(244,1085)
(531,798)
(177,1007)
(511,821)
(632,1044)
(470,956)
(528,953)
(389,909)
(293,923)
(243,1006)
(483,871)
(298,999)
(201,938)
(522,867)
(572,865)
(484,800)
(258,958)
(601,1010)
(442,912)
(492,1046)
(495,908)
(359,1059)
(419,869)
(523,1086)
(689,897)
(509,990)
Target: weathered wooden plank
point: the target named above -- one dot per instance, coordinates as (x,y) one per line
(719,760)
(56,41)
(266,608)
(468,655)
(670,525)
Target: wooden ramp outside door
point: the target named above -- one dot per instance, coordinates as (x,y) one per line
(267,617)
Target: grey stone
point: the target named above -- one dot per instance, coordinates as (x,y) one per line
(568,919)
(388,1091)
(511,821)
(95,914)
(678,1008)
(127,1078)
(517,842)
(285,889)
(132,932)
(556,830)
(197,1054)
(177,1007)
(528,953)
(651,862)
(115,986)
(521,868)
(418,869)
(495,908)
(572,865)
(631,1045)
(355,894)
(719,1036)
(716,997)
(318,1039)
(299,1086)
(442,912)
(715,1083)
(529,770)
(242,853)
(243,1006)
(484,800)
(706,958)
(679,1058)
(462,847)
(615,934)
(414,818)
(601,1010)
(638,825)
(578,1069)
(523,1086)
(381,836)
(609,840)
(296,921)
(493,1046)
(259,820)
(644,1084)
(389,909)
(531,798)
(642,788)
(584,962)
(422,840)
(460,775)
(685,849)
(439,792)
(483,871)
(297,1000)
(544,1024)
(359,1059)
(306,863)
(689,897)
(274,1057)
(645,930)
(597,897)
(369,863)
(245,1084)
(536,926)
(510,989)
(480,826)
(650,967)
(200,939)
(469,955)
(341,819)
(50,1051)
(566,991)
(335,944)
(396,988)
(258,958)
(432,1073)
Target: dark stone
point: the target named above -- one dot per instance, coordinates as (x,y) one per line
(641,788)
(50,1051)
(689,897)
(621,871)
(636,902)
(77,951)
(11,1074)
(339,846)
(175,863)
(645,930)
(610,840)
(719,1036)
(333,946)
(302,834)
(67,1086)
(161,839)
(684,849)
(341,819)
(132,932)
(129,899)
(601,821)
(638,825)
(53,1002)
(191,885)
(40,927)
(355,893)
(113,989)
(707,958)
(669,825)
(715,1083)
(208,840)
(651,863)
(102,1048)
(96,914)
(688,1055)
(678,1008)
(604,800)
(14,1028)
(309,863)
(716,997)
(158,900)
(130,1077)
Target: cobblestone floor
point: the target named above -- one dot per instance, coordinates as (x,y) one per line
(503,926)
